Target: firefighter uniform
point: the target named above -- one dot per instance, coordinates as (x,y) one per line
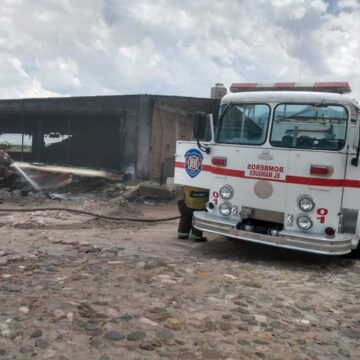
(194,199)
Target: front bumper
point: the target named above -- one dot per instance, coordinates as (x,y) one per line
(339,245)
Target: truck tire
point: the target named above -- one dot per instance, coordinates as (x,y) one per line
(355,254)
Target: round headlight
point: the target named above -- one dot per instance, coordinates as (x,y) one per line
(225,209)
(226,192)
(304,222)
(306,204)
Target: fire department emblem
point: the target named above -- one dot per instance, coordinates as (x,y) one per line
(193,161)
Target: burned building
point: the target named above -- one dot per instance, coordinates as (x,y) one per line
(133,134)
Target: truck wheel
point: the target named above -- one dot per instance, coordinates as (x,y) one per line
(355,254)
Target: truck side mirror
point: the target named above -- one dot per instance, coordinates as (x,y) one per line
(199,129)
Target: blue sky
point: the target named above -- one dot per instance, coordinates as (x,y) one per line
(173,47)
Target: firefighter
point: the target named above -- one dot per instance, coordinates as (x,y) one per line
(193,199)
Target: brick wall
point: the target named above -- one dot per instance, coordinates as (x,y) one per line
(173,120)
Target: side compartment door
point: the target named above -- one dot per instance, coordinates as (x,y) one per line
(351,198)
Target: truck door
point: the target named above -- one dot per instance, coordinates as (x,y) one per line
(351,198)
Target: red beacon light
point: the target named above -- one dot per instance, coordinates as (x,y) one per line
(331,87)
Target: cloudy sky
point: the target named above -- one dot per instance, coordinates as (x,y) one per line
(173,47)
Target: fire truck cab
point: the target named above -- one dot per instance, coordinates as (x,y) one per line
(282,167)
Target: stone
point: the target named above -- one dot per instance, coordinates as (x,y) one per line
(36,333)
(242,310)
(155,263)
(150,345)
(243,342)
(164,334)
(3,253)
(187,355)
(229,276)
(5,332)
(173,324)
(276,324)
(252,284)
(40,343)
(140,265)
(24,309)
(210,325)
(147,321)
(136,335)
(95,332)
(302,322)
(260,355)
(59,314)
(104,357)
(344,353)
(70,242)
(97,344)
(224,325)
(114,336)
(3,261)
(70,316)
(210,354)
(49,354)
(180,342)
(213,291)
(227,316)
(261,318)
(243,328)
(352,334)
(247,317)
(261,342)
(25,349)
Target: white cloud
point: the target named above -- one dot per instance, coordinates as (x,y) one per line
(348,4)
(179,47)
(15,82)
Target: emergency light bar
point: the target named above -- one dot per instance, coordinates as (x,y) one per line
(332,87)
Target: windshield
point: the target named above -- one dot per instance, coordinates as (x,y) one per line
(307,126)
(244,124)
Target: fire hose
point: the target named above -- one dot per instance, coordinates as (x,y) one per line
(75,211)
(84,212)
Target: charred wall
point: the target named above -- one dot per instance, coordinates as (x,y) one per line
(89,131)
(133,134)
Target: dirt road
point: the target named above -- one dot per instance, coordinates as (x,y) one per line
(73,287)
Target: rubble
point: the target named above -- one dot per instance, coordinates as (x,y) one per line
(73,287)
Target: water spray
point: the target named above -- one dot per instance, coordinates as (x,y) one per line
(7,161)
(26,176)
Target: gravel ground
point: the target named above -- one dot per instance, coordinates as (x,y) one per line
(73,287)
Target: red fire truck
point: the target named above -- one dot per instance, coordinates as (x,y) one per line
(282,167)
